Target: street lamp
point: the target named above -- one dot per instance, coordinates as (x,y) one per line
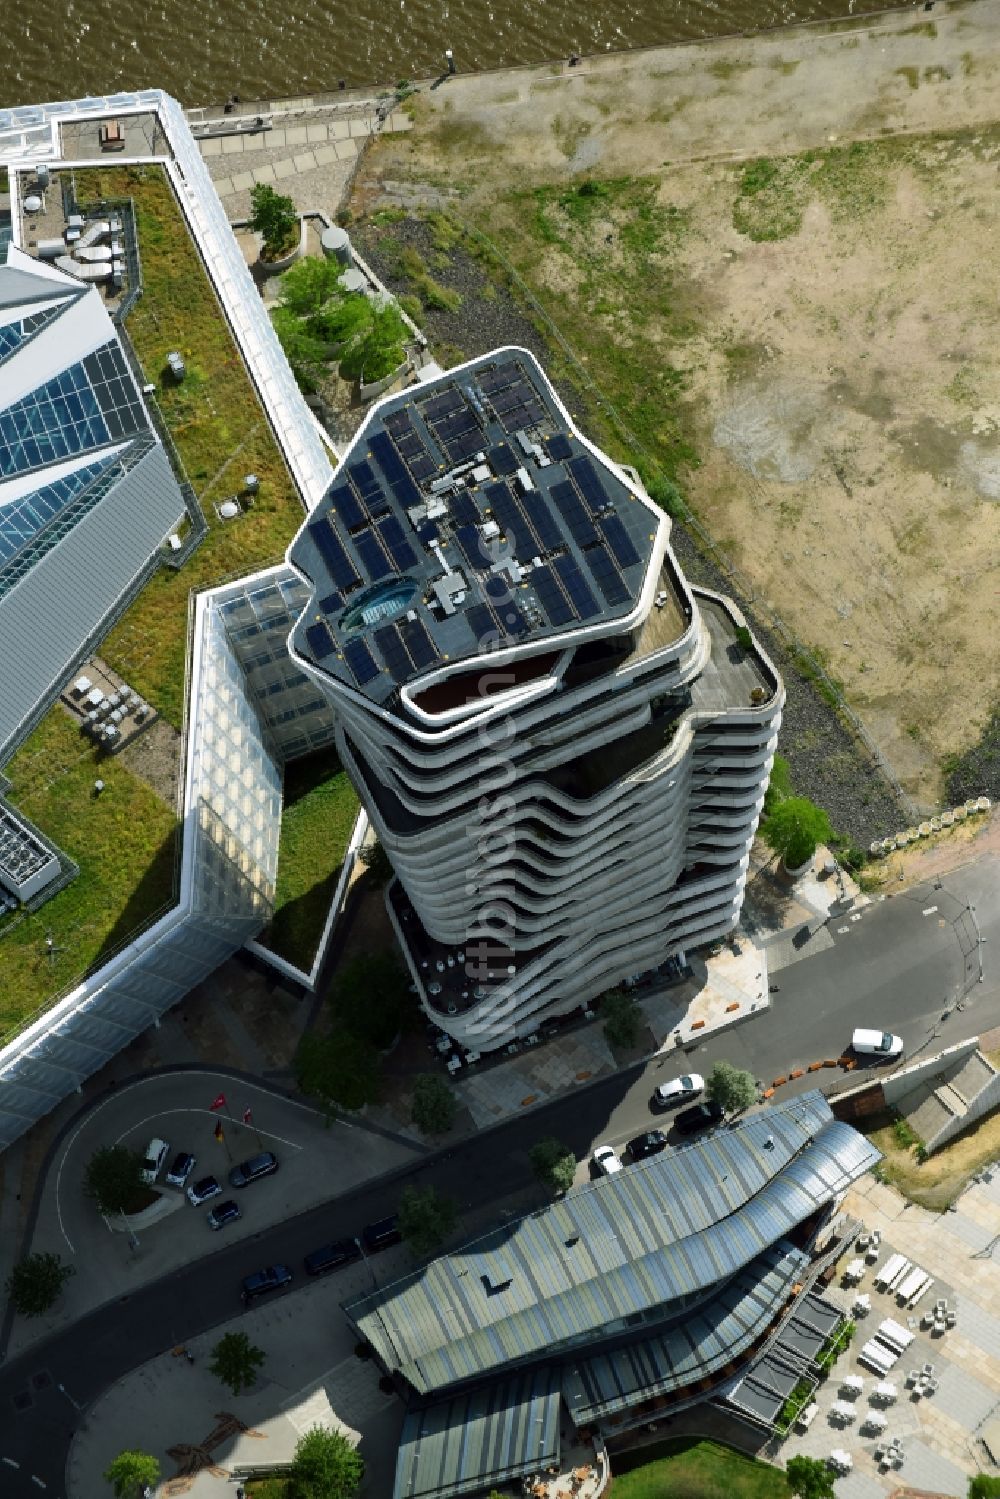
(979,938)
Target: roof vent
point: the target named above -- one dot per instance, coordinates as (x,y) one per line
(769,1143)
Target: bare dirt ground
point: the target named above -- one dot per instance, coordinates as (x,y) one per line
(825,327)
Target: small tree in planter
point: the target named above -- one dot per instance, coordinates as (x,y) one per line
(35,1282)
(794,829)
(273,217)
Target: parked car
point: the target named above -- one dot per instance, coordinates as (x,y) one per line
(331,1257)
(180,1169)
(678,1090)
(701,1116)
(380,1235)
(605,1160)
(271,1278)
(223,1213)
(650,1143)
(253,1169)
(881,1044)
(203,1191)
(156,1154)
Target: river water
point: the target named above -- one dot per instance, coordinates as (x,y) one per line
(204,50)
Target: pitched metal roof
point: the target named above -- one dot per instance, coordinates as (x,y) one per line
(697,1345)
(615,1250)
(480,1440)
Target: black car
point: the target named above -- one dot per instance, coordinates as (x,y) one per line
(381,1234)
(331,1257)
(650,1143)
(251,1170)
(271,1278)
(700,1116)
(223,1213)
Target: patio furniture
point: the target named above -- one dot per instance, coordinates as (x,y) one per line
(888,1270)
(930,1386)
(941,1305)
(900,1274)
(877,1357)
(922,1292)
(853,1384)
(911,1283)
(927,1370)
(862,1241)
(862,1305)
(844,1411)
(885,1390)
(854,1272)
(950,1319)
(896,1336)
(807,1416)
(874,1248)
(840,1460)
(927,1320)
(913,1378)
(875,1421)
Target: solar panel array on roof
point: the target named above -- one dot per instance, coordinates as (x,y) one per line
(328,544)
(419,644)
(321,642)
(578,522)
(374,559)
(464,510)
(590,484)
(606,575)
(411,446)
(544,523)
(620,542)
(483,624)
(503,460)
(512,520)
(513,397)
(394,469)
(394,653)
(577,588)
(391,532)
(473,548)
(551,596)
(346,506)
(331,603)
(453,424)
(361,662)
(559,447)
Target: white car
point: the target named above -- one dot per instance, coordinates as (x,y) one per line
(678,1090)
(156,1154)
(882,1044)
(606,1160)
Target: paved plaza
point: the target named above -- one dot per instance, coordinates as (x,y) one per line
(940,1433)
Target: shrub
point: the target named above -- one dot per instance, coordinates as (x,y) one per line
(809,1477)
(236,1362)
(553,1163)
(371,997)
(35,1283)
(325,1466)
(779,784)
(303,350)
(131,1472)
(425,1218)
(340,1069)
(310,283)
(622,1018)
(743,638)
(113,1178)
(273,217)
(794,828)
(434,1105)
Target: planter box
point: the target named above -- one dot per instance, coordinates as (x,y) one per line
(275,267)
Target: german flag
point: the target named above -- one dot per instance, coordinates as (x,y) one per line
(219,1135)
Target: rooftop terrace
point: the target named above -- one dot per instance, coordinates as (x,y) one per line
(468,511)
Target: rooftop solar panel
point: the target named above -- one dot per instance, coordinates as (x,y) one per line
(361,662)
(363,476)
(494,377)
(423,467)
(428,532)
(328,544)
(378,504)
(473,551)
(397,422)
(559,446)
(538,510)
(421,647)
(464,510)
(331,603)
(577,587)
(551,596)
(590,483)
(387,458)
(396,543)
(394,653)
(620,542)
(449,400)
(502,459)
(609,580)
(512,520)
(483,623)
(373,558)
(344,504)
(581,527)
(406,491)
(319,640)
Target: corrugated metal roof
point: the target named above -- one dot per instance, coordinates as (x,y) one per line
(697,1345)
(615,1249)
(480,1440)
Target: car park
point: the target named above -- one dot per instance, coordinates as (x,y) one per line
(881,1044)
(700,1116)
(605,1160)
(203,1191)
(223,1213)
(271,1278)
(156,1154)
(253,1169)
(180,1169)
(647,1144)
(331,1257)
(678,1090)
(380,1235)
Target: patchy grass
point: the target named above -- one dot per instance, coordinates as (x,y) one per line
(937,1181)
(770,198)
(124,843)
(320,809)
(696,1470)
(217,423)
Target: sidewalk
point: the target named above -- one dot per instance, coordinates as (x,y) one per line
(198,1431)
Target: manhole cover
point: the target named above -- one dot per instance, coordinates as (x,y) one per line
(23,1401)
(41,1381)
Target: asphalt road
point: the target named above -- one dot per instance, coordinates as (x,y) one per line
(903,967)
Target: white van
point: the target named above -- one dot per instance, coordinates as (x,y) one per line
(877,1044)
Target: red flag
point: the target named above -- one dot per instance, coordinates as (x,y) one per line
(219,1102)
(218,1131)
(247,1116)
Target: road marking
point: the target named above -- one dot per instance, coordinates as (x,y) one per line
(10,1462)
(222,1118)
(843,929)
(855,918)
(929,911)
(40,1482)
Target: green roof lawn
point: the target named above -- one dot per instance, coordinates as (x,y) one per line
(686,1468)
(320,810)
(124,841)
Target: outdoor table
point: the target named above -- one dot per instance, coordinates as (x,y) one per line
(885,1390)
(853,1382)
(844,1410)
(888,1272)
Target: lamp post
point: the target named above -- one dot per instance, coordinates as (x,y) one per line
(979,938)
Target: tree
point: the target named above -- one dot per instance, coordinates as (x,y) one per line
(371,996)
(425,1218)
(984,1486)
(809,1477)
(325,1466)
(378,350)
(36,1281)
(375,859)
(273,217)
(434,1104)
(622,1018)
(794,829)
(303,350)
(131,1472)
(731,1088)
(310,283)
(236,1361)
(339,1069)
(553,1163)
(113,1178)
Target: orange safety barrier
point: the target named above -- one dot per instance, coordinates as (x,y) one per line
(777,1082)
(734,1006)
(815,1066)
(531,1098)
(767,1093)
(696,1025)
(797,1073)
